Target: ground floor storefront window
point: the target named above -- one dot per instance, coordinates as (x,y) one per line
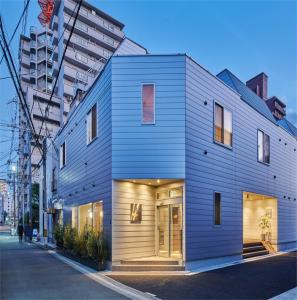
(89,216)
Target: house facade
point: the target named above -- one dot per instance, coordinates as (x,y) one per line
(174,163)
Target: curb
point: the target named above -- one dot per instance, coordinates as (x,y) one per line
(108,282)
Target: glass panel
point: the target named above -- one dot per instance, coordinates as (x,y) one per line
(266,148)
(98,216)
(260,145)
(85,217)
(174,193)
(217,209)
(176,230)
(74,217)
(218,123)
(227,128)
(94,121)
(163,230)
(148,103)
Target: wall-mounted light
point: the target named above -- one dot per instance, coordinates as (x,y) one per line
(285,144)
(158,181)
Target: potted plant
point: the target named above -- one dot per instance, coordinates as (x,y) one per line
(265,226)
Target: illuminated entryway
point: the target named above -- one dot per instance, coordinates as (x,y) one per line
(148,219)
(259,218)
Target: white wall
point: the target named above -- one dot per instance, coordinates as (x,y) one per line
(252,211)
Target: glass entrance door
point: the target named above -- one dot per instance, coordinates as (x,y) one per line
(170,230)
(163,230)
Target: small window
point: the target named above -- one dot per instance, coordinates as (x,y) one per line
(263,147)
(223,125)
(148,103)
(217,209)
(92,124)
(62,155)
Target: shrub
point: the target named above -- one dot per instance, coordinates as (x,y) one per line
(80,243)
(59,234)
(97,247)
(69,237)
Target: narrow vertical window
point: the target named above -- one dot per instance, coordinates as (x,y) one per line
(92,124)
(217,209)
(218,123)
(223,125)
(263,147)
(148,103)
(62,155)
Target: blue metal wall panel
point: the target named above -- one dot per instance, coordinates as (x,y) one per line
(231,171)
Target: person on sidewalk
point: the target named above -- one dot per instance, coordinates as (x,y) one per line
(20,232)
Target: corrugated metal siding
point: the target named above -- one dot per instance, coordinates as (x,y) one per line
(148,151)
(89,166)
(231,171)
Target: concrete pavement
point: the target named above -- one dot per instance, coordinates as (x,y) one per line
(261,279)
(30,273)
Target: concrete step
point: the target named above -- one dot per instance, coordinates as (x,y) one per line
(255,254)
(140,268)
(150,262)
(253,249)
(252,244)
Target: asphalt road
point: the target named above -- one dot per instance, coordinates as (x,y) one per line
(260,279)
(27,272)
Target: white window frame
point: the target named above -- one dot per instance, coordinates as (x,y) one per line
(223,126)
(89,124)
(61,155)
(154,85)
(263,147)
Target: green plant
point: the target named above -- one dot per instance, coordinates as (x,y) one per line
(97,247)
(59,234)
(69,237)
(265,224)
(80,243)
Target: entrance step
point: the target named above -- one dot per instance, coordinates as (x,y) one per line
(140,268)
(150,262)
(253,249)
(255,254)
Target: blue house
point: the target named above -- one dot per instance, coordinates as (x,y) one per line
(177,166)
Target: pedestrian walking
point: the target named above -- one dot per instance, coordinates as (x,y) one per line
(20,232)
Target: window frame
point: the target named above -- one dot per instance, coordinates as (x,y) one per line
(214,209)
(63,146)
(154,121)
(230,147)
(90,123)
(263,147)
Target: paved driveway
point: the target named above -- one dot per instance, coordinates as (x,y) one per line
(260,279)
(28,272)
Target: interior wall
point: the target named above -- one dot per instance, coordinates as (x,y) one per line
(252,210)
(132,240)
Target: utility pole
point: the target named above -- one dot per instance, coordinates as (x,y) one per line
(14,212)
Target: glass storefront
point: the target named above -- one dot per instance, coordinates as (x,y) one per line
(89,216)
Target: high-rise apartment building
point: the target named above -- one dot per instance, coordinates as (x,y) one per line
(95,38)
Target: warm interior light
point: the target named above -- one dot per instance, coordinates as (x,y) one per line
(149,183)
(134,181)
(158,181)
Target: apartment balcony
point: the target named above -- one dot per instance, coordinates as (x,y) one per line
(46,97)
(88,47)
(78,59)
(94,20)
(32,44)
(45,87)
(90,33)
(69,90)
(33,30)
(52,114)
(26,61)
(45,73)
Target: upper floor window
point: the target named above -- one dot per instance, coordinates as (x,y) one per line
(92,124)
(81,57)
(82,26)
(263,147)
(223,125)
(148,103)
(62,155)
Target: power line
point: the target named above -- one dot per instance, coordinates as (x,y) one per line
(17,26)
(60,66)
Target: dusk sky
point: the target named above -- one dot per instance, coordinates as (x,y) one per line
(247,37)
